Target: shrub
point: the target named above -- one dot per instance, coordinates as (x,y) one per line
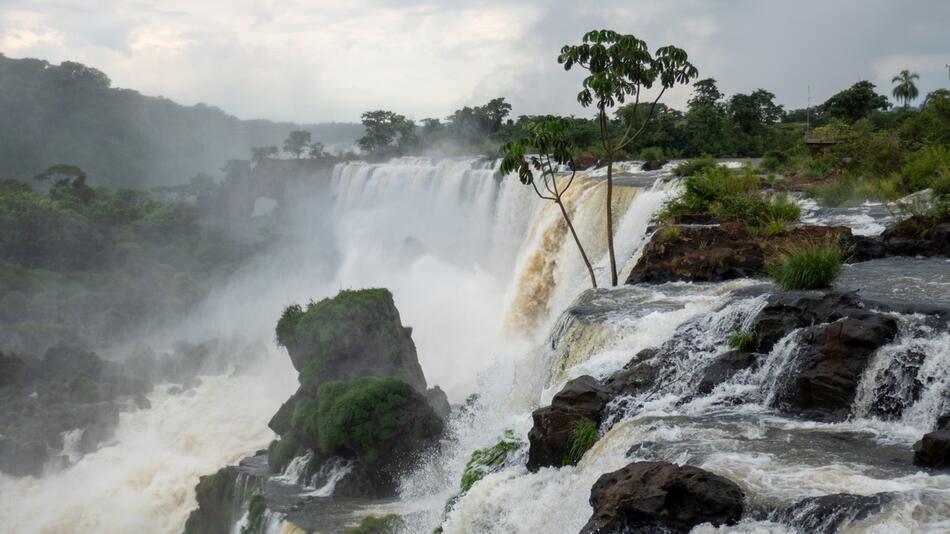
(387,524)
(672,232)
(362,414)
(774,160)
(924,167)
(782,209)
(694,166)
(488,460)
(651,153)
(741,340)
(255,514)
(812,266)
(584,434)
(281,452)
(816,168)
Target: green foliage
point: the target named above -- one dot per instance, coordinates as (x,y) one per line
(387,134)
(282,451)
(905,89)
(488,460)
(255,514)
(387,524)
(651,153)
(672,232)
(584,434)
(926,166)
(694,166)
(741,340)
(360,415)
(856,102)
(297,141)
(813,266)
(720,193)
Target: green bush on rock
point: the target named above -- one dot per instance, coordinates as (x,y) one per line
(741,340)
(814,266)
(387,524)
(488,460)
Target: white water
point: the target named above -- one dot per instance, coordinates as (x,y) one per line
(481,271)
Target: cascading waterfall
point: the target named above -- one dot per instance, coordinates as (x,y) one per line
(482,269)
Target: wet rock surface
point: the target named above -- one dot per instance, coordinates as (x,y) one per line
(828,513)
(717,253)
(933,449)
(660,497)
(550,437)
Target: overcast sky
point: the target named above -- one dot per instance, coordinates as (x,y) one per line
(330,60)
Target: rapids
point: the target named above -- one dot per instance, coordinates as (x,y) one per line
(494,289)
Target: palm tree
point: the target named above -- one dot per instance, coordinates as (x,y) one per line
(905,89)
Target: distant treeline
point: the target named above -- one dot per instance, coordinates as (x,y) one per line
(70,114)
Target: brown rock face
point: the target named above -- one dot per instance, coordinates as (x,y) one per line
(654,497)
(717,253)
(550,437)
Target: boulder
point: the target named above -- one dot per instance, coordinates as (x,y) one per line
(790,310)
(918,235)
(355,334)
(723,368)
(637,376)
(828,513)
(653,164)
(717,253)
(660,497)
(823,383)
(550,437)
(933,449)
(439,402)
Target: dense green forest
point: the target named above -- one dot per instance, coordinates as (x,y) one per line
(70,114)
(87,265)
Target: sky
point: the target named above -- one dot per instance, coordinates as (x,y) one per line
(331,60)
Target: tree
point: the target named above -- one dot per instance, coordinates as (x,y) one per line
(63,185)
(315,150)
(705,93)
(549,138)
(261,153)
(905,89)
(621,66)
(297,142)
(470,125)
(855,102)
(753,111)
(387,133)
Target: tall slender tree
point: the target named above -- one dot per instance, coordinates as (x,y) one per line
(621,67)
(549,138)
(906,89)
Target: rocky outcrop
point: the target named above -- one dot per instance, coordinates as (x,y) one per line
(637,376)
(661,497)
(790,310)
(717,253)
(362,394)
(223,496)
(653,164)
(828,513)
(354,334)
(68,392)
(583,398)
(933,450)
(724,367)
(918,235)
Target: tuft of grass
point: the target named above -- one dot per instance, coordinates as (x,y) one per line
(813,266)
(740,340)
(672,232)
(584,434)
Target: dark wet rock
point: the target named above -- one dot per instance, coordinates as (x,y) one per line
(791,310)
(933,450)
(653,164)
(898,386)
(660,497)
(918,235)
(11,369)
(439,401)
(829,366)
(717,253)
(637,376)
(827,514)
(550,437)
(586,161)
(724,367)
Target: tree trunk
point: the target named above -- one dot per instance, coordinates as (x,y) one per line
(610,219)
(570,226)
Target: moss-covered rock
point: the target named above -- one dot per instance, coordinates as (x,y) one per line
(485,461)
(354,334)
(388,524)
(222,499)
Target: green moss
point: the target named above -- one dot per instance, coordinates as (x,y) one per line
(255,514)
(694,166)
(361,414)
(584,434)
(743,341)
(282,451)
(488,460)
(388,524)
(672,232)
(809,267)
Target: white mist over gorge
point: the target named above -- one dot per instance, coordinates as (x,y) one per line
(622,288)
